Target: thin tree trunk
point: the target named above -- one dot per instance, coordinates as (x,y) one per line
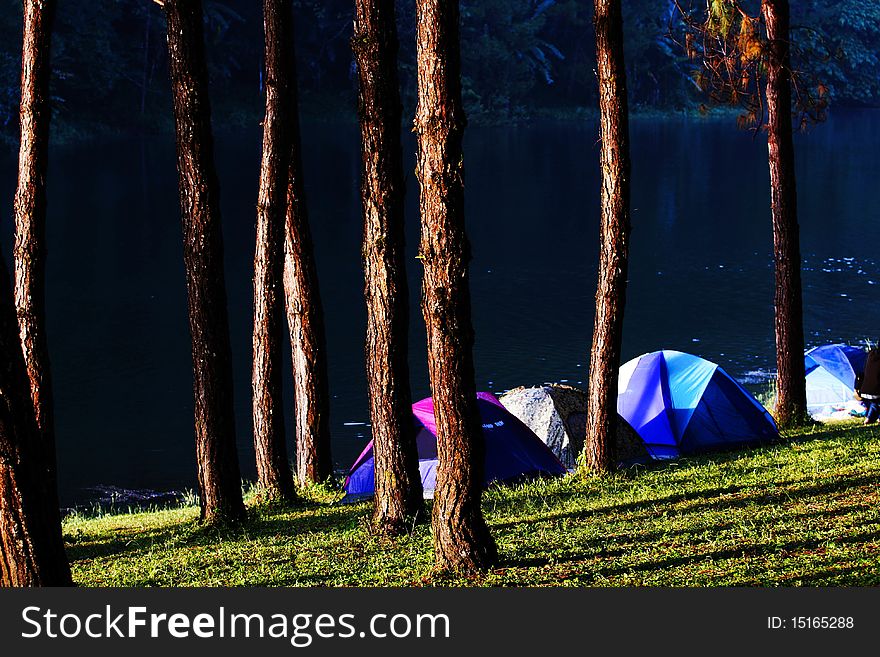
(273,467)
(305,321)
(398,496)
(219,478)
(30,224)
(613,239)
(791,398)
(461,538)
(31,547)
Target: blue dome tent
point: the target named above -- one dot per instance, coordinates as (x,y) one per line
(682,404)
(513,451)
(831,376)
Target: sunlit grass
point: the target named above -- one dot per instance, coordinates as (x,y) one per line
(803,512)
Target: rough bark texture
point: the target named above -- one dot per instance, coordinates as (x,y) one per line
(31,547)
(791,399)
(398,497)
(30,223)
(613,239)
(461,538)
(219,478)
(305,321)
(273,466)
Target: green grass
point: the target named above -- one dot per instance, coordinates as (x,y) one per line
(805,512)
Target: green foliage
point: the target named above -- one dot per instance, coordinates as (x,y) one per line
(509,54)
(108,60)
(722,16)
(730,45)
(843,41)
(804,512)
(834,48)
(520,58)
(658,75)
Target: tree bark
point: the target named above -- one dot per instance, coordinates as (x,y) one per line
(398,496)
(791,396)
(273,466)
(614,161)
(30,224)
(305,321)
(219,478)
(31,547)
(461,538)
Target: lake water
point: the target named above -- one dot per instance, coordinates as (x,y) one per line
(700,276)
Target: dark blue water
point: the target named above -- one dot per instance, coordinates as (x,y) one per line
(700,279)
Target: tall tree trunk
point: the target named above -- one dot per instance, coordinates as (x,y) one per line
(461,538)
(305,321)
(270,445)
(613,239)
(31,547)
(791,398)
(398,497)
(219,478)
(30,223)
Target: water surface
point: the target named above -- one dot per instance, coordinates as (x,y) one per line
(701,276)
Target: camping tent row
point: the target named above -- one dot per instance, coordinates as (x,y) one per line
(678,404)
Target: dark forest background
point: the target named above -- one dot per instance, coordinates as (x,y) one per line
(522,59)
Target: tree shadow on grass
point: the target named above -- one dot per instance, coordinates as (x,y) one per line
(637,471)
(791,549)
(821,433)
(728,497)
(262,523)
(719,499)
(851,576)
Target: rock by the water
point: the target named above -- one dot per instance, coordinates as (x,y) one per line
(558,415)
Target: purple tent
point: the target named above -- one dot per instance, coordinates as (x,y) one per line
(513,451)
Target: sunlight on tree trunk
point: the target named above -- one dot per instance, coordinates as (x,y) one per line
(398,496)
(31,546)
(461,538)
(791,394)
(219,478)
(305,322)
(614,161)
(30,222)
(270,444)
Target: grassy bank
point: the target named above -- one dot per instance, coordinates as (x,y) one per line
(805,512)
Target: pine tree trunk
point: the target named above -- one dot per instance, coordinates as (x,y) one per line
(613,239)
(219,478)
(30,225)
(398,497)
(305,321)
(461,538)
(273,467)
(31,547)
(791,399)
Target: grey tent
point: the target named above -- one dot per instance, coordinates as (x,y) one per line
(558,415)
